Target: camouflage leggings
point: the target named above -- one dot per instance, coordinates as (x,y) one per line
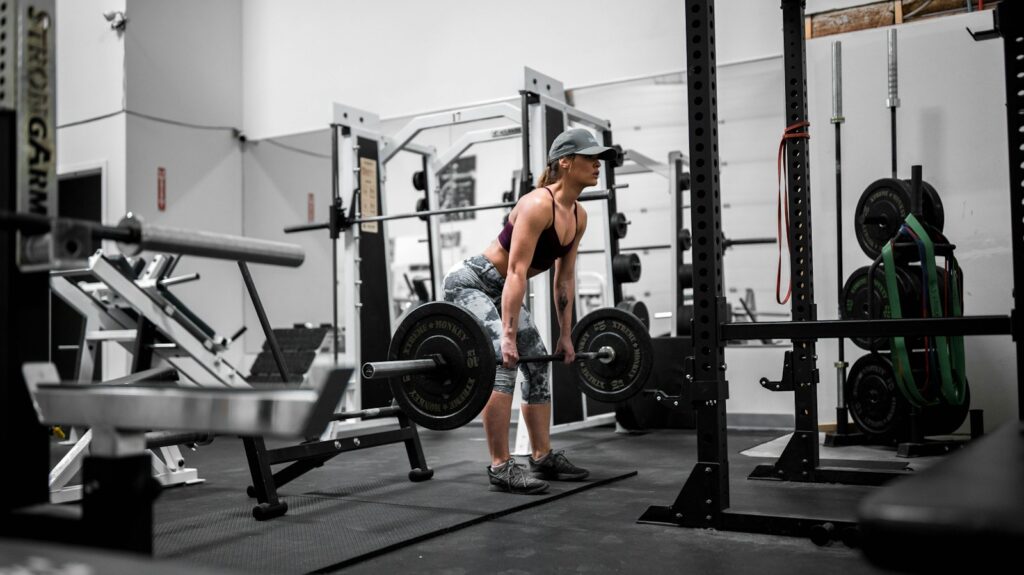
(476,285)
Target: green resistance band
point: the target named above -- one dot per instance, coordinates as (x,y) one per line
(950,350)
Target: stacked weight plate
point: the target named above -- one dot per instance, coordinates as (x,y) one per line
(872,392)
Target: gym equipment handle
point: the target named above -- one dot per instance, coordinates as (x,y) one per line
(133,236)
(893,101)
(604,354)
(397,368)
(837,82)
(208,244)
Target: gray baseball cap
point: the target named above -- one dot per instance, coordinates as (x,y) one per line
(578,141)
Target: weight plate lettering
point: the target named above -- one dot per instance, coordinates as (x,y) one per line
(453,395)
(627,373)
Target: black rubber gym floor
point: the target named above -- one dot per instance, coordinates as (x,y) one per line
(343,519)
(360,514)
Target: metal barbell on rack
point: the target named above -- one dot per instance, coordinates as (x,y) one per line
(441,363)
(342,220)
(68,239)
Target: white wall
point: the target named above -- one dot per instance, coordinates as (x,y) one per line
(953,122)
(182,62)
(278,180)
(90,61)
(90,83)
(204,192)
(401,57)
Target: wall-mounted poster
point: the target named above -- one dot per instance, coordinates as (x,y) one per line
(368,194)
(458,188)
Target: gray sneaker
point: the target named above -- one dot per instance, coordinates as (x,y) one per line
(555,465)
(513,478)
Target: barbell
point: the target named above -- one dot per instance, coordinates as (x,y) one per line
(341,219)
(383,369)
(441,362)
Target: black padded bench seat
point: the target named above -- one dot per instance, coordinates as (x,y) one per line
(965,508)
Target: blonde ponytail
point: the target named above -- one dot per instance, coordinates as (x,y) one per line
(551,174)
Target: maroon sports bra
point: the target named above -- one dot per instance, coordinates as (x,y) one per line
(549,248)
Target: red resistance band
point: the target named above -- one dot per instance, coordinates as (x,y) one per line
(783,197)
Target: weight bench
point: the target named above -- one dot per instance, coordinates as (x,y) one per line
(301,350)
(966,508)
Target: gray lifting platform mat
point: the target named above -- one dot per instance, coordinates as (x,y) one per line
(352,520)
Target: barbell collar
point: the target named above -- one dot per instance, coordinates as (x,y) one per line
(605,355)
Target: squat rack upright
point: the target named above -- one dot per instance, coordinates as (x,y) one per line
(703,501)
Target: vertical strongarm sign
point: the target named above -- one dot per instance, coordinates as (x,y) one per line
(35,103)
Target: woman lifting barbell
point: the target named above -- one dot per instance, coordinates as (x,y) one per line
(543,230)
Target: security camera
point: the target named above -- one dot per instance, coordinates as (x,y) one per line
(117,20)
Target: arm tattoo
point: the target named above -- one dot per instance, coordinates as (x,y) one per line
(513,319)
(563,297)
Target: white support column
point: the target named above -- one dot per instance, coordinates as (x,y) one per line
(434,231)
(347,263)
(349,254)
(540,286)
(675,219)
